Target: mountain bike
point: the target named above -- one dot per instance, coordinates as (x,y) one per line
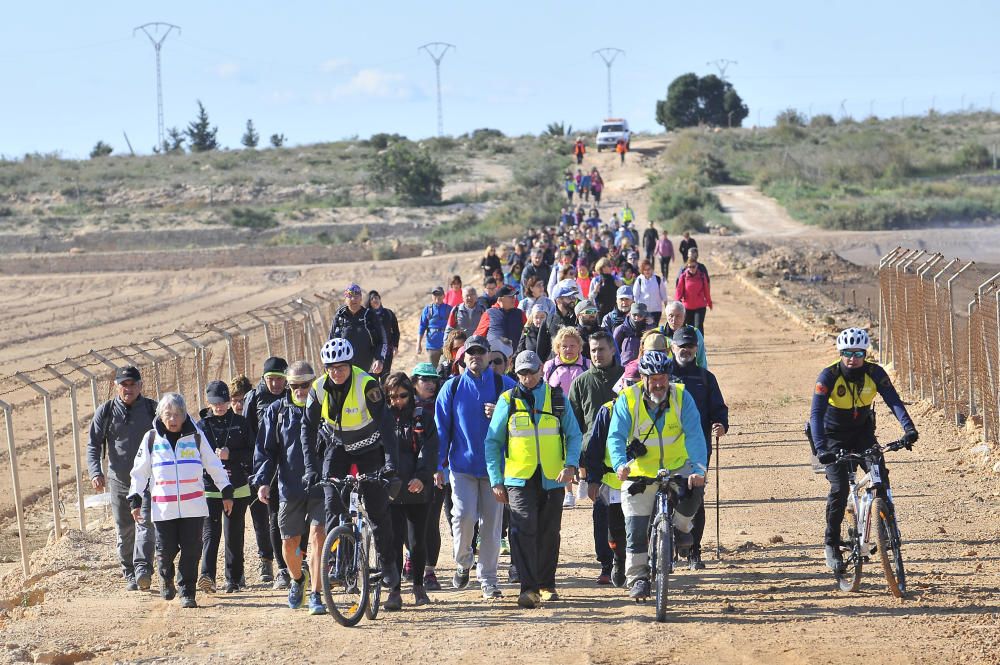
(351,567)
(660,536)
(871,497)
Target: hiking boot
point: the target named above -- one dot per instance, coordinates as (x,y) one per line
(232,587)
(618,574)
(296,591)
(144,581)
(283,580)
(604,579)
(549,594)
(491,592)
(130,584)
(834,559)
(316,606)
(394,602)
(504,546)
(407,569)
(168,591)
(512,576)
(461,578)
(267,571)
(420,596)
(529,599)
(694,562)
(206,584)
(188,602)
(639,590)
(431,581)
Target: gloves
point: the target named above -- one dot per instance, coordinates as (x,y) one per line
(387,472)
(829,458)
(309,479)
(909,438)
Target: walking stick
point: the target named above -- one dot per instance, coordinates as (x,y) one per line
(718,541)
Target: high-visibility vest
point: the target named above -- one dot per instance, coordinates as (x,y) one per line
(627,215)
(610,478)
(355,427)
(846,396)
(529,444)
(664,449)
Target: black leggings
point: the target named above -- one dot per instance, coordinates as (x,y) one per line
(696,318)
(409,523)
(434,524)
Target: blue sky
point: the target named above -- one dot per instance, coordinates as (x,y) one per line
(72,72)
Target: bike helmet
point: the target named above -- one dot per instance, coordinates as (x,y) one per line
(853,338)
(336,350)
(653,362)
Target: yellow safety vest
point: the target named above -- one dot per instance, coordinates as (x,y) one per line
(627,215)
(664,449)
(610,478)
(355,424)
(530,444)
(846,396)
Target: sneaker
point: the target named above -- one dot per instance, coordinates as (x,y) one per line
(420,596)
(694,562)
(316,606)
(283,580)
(130,584)
(169,591)
(188,602)
(407,569)
(529,599)
(243,581)
(504,546)
(390,576)
(548,594)
(834,560)
(206,584)
(604,579)
(639,590)
(394,602)
(684,542)
(512,576)
(618,575)
(491,592)
(461,578)
(569,501)
(581,490)
(267,572)
(144,581)
(296,591)
(431,581)
(232,587)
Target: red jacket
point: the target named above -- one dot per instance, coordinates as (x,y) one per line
(694,290)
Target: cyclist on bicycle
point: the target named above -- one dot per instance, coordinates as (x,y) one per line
(655,425)
(842,419)
(348,423)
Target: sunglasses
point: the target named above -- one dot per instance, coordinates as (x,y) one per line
(853,354)
(475,351)
(298,386)
(686,346)
(399,396)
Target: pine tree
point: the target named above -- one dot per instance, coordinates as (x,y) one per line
(202,138)
(278,140)
(250,138)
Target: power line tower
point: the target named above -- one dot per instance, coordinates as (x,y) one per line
(436,51)
(608,55)
(722,65)
(157,33)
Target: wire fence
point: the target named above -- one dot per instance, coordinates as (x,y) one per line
(938,322)
(47,410)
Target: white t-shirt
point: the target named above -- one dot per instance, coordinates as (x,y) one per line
(650,292)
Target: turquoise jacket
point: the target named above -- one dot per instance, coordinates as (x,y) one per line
(694,437)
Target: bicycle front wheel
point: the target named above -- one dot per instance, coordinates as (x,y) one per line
(345,574)
(889,547)
(849,575)
(374,577)
(664,553)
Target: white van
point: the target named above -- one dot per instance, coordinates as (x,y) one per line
(611,130)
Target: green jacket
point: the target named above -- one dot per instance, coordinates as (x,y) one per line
(590,391)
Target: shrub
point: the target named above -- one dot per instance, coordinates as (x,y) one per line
(790,117)
(382,140)
(973,156)
(410,172)
(248,218)
(671,197)
(100,149)
(822,120)
(688,220)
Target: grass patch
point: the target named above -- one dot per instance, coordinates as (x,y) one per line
(249,218)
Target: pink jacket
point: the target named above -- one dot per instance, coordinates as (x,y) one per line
(557,373)
(694,290)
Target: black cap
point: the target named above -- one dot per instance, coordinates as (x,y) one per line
(217,392)
(506,290)
(275,366)
(129,373)
(685,335)
(437,291)
(477,341)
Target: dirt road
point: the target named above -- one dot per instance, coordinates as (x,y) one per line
(769,600)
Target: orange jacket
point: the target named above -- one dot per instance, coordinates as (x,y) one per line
(579,148)
(621,147)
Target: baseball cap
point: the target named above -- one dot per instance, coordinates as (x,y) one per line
(527,361)
(217,392)
(424,369)
(506,290)
(567,288)
(437,291)
(128,373)
(499,346)
(353,288)
(638,308)
(685,335)
(301,372)
(476,341)
(585,305)
(624,292)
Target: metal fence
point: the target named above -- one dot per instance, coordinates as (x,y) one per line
(938,322)
(47,410)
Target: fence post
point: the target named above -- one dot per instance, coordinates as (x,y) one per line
(327,323)
(981,296)
(892,309)
(90,376)
(951,336)
(996,386)
(925,374)
(156,367)
(76,439)
(8,414)
(267,333)
(940,349)
(229,347)
(53,465)
(178,357)
(198,349)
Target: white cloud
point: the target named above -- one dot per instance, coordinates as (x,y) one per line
(334,64)
(227,70)
(376,83)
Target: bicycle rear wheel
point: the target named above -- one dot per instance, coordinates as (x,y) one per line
(889,547)
(344,576)
(374,574)
(849,576)
(664,556)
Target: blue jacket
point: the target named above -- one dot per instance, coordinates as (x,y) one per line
(461,420)
(694,438)
(433,321)
(496,440)
(597,444)
(700,358)
(704,388)
(280,448)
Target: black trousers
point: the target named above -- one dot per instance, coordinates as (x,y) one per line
(665,266)
(234,526)
(375,495)
(535,522)
(265,527)
(616,532)
(698,528)
(434,524)
(836,501)
(409,523)
(602,546)
(696,318)
(181,535)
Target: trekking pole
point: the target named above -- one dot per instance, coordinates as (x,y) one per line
(718,541)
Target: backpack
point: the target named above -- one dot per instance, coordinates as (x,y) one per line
(453,390)
(105,412)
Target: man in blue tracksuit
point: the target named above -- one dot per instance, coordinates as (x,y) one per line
(433,322)
(462,413)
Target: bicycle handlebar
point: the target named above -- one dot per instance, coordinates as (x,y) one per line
(352,481)
(875,451)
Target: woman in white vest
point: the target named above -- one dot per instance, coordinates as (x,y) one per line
(171,459)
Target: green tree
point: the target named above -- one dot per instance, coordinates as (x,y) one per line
(558,129)
(692,101)
(278,140)
(250,137)
(410,172)
(174,141)
(101,149)
(201,135)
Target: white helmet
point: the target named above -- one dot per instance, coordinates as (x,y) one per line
(853,338)
(336,350)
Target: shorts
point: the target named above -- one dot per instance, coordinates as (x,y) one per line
(296,516)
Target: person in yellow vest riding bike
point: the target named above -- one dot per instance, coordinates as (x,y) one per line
(532,451)
(655,425)
(348,423)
